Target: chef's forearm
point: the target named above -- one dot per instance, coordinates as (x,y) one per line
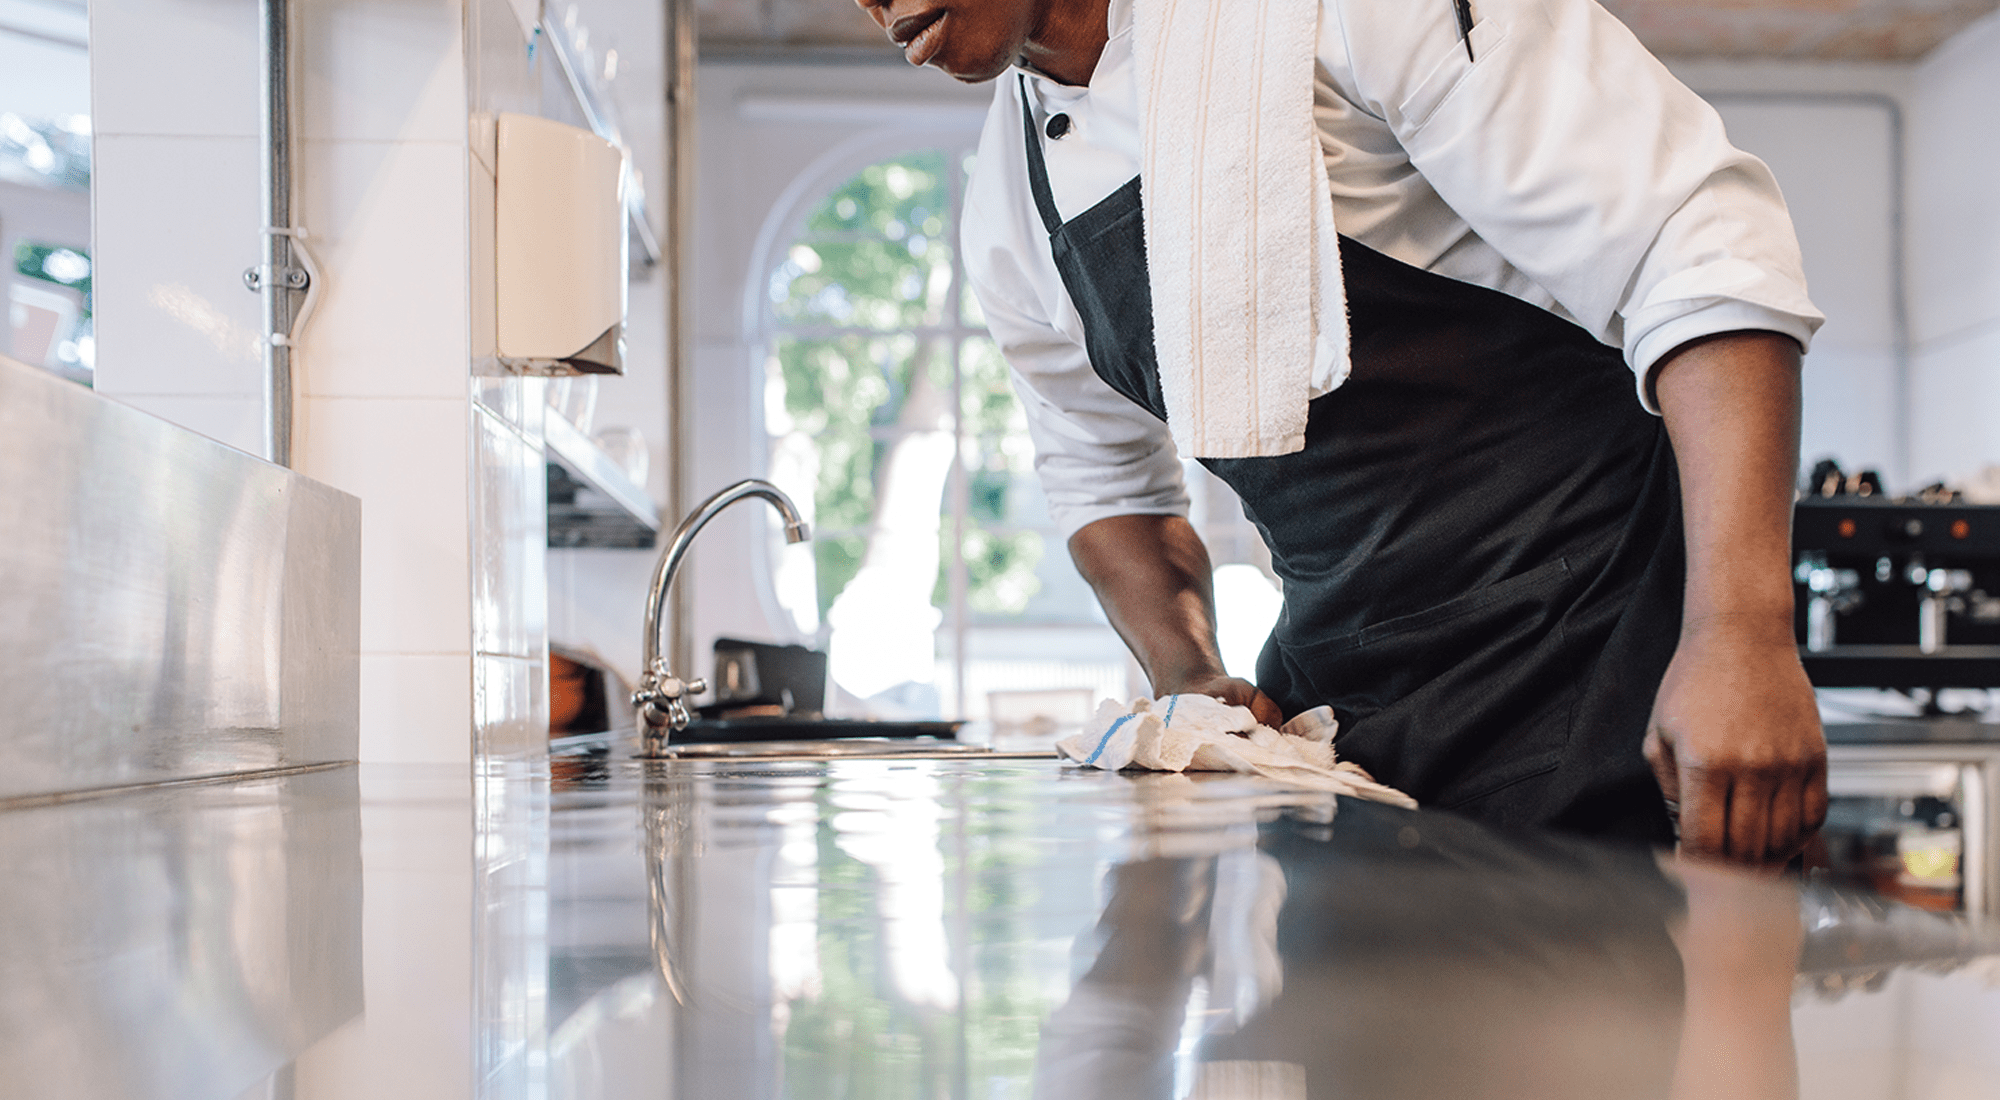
(1734,737)
(1151,573)
(1731,404)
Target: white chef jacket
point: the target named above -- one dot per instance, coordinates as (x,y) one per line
(1564,166)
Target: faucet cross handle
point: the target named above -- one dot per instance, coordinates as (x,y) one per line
(662,700)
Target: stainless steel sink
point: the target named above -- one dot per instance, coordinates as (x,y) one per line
(848,748)
(776,728)
(621,744)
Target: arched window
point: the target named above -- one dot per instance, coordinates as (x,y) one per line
(938,583)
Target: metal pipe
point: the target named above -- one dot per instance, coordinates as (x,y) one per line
(277,279)
(680,48)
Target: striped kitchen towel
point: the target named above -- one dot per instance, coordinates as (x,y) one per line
(1243,260)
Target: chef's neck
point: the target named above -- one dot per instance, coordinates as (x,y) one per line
(1066,44)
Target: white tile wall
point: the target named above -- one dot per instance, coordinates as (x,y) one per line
(389,225)
(396,205)
(173,68)
(416,707)
(407,461)
(176,225)
(375,70)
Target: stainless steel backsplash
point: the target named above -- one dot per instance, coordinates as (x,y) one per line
(169,607)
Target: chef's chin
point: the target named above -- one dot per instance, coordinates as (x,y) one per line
(971,57)
(970,70)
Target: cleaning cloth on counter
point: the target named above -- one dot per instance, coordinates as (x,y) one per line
(1180,733)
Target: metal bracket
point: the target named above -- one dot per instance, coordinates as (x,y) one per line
(295,278)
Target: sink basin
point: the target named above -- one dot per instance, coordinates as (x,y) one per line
(770,737)
(775,728)
(845,748)
(801,739)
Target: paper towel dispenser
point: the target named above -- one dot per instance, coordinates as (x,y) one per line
(560,243)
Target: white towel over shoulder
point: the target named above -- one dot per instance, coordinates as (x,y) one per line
(1197,733)
(1241,251)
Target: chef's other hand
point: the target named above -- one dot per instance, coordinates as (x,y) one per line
(1235,692)
(1735,739)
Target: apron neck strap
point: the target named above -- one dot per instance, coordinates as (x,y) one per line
(1038,169)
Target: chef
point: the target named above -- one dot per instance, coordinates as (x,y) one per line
(1516,411)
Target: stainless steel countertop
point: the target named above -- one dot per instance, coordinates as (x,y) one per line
(913,928)
(1944,730)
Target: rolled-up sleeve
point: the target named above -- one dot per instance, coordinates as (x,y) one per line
(1097,453)
(1575,154)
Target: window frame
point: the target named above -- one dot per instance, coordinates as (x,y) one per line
(783,226)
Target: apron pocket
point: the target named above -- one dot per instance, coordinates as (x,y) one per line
(1458,700)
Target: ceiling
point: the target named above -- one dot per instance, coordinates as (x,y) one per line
(1847,30)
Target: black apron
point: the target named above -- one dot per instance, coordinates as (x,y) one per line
(1480,544)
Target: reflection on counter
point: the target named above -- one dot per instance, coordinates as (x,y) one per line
(707,930)
(183,942)
(931,928)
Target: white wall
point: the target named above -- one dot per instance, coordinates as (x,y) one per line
(763,127)
(450,487)
(45,76)
(1830,133)
(1936,415)
(1954,214)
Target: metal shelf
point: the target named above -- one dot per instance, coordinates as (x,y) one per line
(591,501)
(1903,666)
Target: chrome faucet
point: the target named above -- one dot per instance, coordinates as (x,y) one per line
(662,697)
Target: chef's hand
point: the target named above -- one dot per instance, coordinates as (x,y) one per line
(1235,692)
(1735,739)
(1152,577)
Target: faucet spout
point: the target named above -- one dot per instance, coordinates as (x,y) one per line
(661,699)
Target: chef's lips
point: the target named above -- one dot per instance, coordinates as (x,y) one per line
(920,35)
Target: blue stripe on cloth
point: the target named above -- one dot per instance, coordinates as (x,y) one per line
(1172,702)
(1106,739)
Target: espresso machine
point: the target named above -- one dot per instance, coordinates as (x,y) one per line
(1903,593)
(1895,592)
